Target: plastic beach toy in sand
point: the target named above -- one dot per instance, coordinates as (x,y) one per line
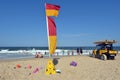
(73,63)
(36,70)
(58,71)
(29,66)
(18,66)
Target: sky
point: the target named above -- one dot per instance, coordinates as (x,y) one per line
(79,23)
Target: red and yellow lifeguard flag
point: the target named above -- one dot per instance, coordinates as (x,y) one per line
(52,10)
(52,35)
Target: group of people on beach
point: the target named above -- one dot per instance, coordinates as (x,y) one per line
(79,52)
(38,55)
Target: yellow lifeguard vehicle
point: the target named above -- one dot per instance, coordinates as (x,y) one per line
(104,50)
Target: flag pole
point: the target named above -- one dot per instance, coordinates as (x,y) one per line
(48,34)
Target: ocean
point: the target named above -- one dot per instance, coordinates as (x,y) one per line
(29,52)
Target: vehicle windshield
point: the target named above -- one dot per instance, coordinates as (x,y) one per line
(103,46)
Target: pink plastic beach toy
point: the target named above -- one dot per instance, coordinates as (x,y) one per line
(36,70)
(29,67)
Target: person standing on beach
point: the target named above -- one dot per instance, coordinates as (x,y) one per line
(78,51)
(81,51)
(68,52)
(72,52)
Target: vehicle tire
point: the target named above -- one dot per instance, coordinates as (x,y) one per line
(103,57)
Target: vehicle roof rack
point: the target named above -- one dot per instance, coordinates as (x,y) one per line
(105,42)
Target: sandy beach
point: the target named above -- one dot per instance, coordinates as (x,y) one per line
(87,68)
